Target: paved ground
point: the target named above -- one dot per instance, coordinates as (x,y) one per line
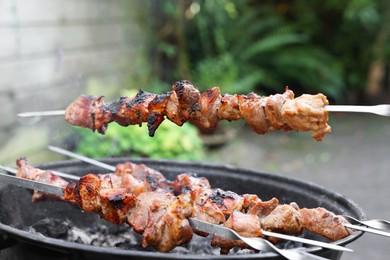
(353,160)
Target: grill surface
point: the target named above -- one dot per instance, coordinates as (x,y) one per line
(18,214)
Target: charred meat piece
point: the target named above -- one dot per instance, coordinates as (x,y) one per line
(207,114)
(94,194)
(185,103)
(132,111)
(204,207)
(157,111)
(227,201)
(188,97)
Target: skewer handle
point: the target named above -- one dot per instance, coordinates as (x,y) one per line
(369,230)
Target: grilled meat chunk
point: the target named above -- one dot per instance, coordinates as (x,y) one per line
(307,113)
(252,109)
(323,222)
(139,178)
(204,208)
(89,112)
(98,195)
(132,111)
(284,219)
(255,206)
(229,108)
(246,225)
(273,109)
(28,172)
(169,227)
(162,219)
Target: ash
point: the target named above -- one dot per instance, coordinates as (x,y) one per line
(122,237)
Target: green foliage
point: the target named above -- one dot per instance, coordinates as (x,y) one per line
(256,49)
(247,45)
(170,141)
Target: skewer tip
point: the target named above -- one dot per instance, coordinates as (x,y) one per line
(42,113)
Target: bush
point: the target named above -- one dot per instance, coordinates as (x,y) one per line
(170,141)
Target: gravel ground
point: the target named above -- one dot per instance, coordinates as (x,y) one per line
(353,160)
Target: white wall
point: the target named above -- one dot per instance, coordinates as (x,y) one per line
(49,49)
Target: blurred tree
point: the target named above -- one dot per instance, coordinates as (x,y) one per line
(354,31)
(249,45)
(326,46)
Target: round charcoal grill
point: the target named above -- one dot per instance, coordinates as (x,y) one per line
(18,240)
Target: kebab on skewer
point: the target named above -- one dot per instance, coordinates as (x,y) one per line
(158,209)
(185,103)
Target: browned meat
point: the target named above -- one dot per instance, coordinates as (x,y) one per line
(284,219)
(145,178)
(227,201)
(114,202)
(94,194)
(28,172)
(324,222)
(89,112)
(185,103)
(186,182)
(251,108)
(204,208)
(162,219)
(273,109)
(246,225)
(307,113)
(147,205)
(229,108)
(255,206)
(132,111)
(158,110)
(188,97)
(209,103)
(169,228)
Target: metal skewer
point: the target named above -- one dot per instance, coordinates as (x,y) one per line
(82,158)
(61,174)
(383,110)
(42,113)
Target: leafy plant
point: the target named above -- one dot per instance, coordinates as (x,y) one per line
(243,46)
(170,141)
